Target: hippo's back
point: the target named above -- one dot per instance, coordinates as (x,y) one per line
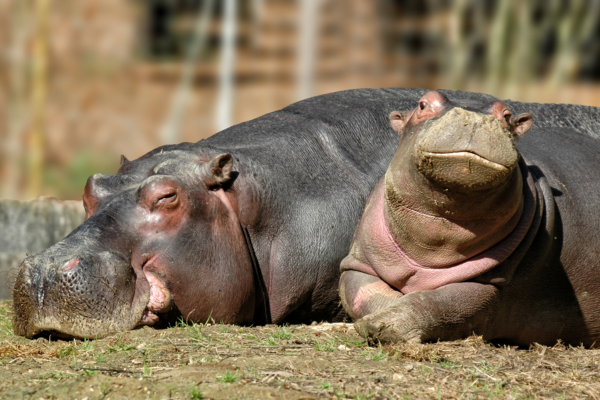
(335,138)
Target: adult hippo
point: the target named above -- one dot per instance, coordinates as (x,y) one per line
(246,227)
(465,235)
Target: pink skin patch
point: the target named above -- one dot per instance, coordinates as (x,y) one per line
(69,265)
(160,299)
(160,296)
(376,252)
(148,318)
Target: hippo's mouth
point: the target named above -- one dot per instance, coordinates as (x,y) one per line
(160,298)
(462,169)
(471,157)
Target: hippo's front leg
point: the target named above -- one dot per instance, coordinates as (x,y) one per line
(384,314)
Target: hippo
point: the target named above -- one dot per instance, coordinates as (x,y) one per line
(246,227)
(483,223)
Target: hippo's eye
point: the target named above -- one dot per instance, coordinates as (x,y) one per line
(422,105)
(168,200)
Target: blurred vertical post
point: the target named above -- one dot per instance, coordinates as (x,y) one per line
(258,11)
(499,40)
(226,76)
(458,51)
(365,59)
(39,66)
(171,129)
(309,13)
(434,52)
(576,25)
(13,152)
(520,69)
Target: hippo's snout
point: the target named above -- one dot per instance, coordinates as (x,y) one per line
(82,296)
(466,150)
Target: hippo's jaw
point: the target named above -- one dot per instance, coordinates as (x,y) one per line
(465,150)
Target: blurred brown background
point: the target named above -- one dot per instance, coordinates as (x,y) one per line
(84,81)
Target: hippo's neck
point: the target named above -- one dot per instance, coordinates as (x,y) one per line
(445,232)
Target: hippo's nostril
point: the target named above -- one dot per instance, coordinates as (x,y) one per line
(69,265)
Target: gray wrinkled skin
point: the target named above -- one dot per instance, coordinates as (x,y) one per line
(96,307)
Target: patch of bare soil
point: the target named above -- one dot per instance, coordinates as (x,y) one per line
(214,361)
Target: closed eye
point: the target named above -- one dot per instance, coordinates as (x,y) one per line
(167,200)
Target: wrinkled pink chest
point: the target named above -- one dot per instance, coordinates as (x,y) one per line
(379,255)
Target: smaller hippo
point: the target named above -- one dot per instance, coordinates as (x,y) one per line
(461,235)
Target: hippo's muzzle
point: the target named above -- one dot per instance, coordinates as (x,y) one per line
(465,150)
(86,296)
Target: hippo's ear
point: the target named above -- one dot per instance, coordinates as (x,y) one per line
(521,124)
(96,190)
(398,120)
(218,172)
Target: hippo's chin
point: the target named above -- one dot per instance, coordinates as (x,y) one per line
(462,170)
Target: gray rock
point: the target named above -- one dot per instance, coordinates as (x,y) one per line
(28,227)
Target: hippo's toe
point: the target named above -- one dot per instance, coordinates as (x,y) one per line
(387,326)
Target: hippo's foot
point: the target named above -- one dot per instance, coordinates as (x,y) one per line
(390,325)
(452,312)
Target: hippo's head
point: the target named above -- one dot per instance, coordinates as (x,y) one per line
(454,187)
(460,147)
(162,237)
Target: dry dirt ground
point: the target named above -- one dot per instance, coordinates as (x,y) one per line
(331,361)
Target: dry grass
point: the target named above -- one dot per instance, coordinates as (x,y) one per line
(298,362)
(19,350)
